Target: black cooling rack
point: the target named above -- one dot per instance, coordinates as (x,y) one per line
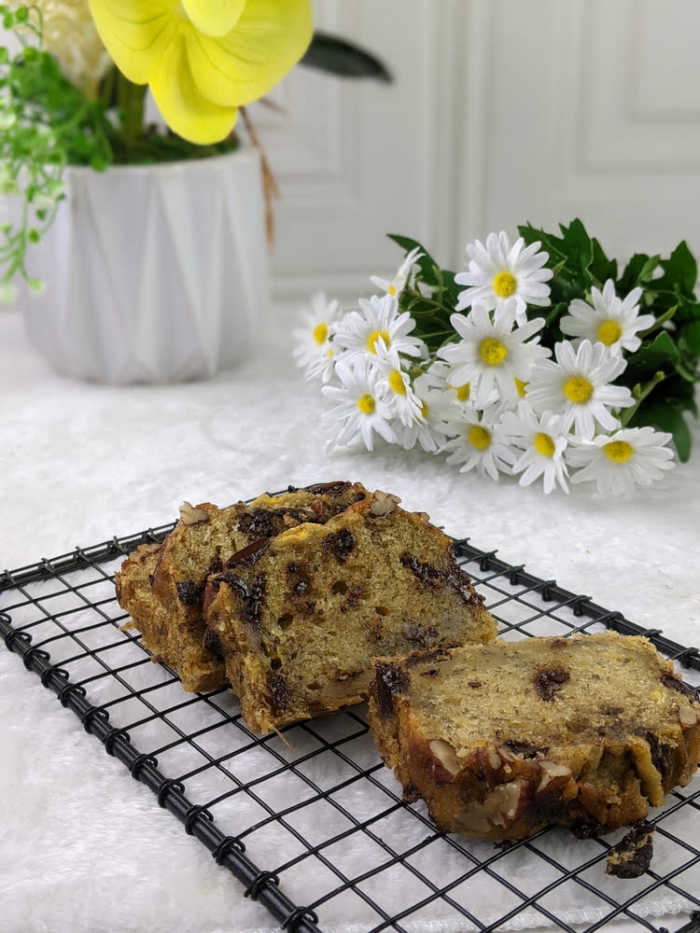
(312,817)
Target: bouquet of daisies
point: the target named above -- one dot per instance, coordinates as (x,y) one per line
(541,360)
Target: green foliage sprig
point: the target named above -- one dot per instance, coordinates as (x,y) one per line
(46,123)
(661,374)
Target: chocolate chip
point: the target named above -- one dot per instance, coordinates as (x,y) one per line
(190,593)
(279,692)
(422,637)
(388,680)
(212,642)
(675,683)
(438,654)
(329,489)
(431,576)
(474,684)
(251,595)
(587,829)
(216,566)
(340,544)
(354,595)
(426,573)
(661,755)
(612,710)
(549,680)
(250,554)
(631,857)
(525,749)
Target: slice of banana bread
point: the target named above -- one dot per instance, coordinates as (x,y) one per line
(297,618)
(501,739)
(163,589)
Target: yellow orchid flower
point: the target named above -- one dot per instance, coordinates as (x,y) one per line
(204,58)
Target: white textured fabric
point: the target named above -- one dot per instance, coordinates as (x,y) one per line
(84,848)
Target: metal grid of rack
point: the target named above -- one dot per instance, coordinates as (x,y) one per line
(312,817)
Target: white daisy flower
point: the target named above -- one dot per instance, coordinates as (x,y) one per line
(395,286)
(498,271)
(541,443)
(479,443)
(618,462)
(578,387)
(429,426)
(359,404)
(313,351)
(492,354)
(379,330)
(403,401)
(612,321)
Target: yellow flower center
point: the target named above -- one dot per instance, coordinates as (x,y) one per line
(544,445)
(329,353)
(320,333)
(396,382)
(479,437)
(463,392)
(504,284)
(366,404)
(578,389)
(424,409)
(609,333)
(492,351)
(618,451)
(391,290)
(374,337)
(521,387)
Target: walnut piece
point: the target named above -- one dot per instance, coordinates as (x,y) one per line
(552,770)
(446,755)
(383,503)
(500,808)
(189,515)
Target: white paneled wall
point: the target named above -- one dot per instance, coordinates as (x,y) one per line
(502,111)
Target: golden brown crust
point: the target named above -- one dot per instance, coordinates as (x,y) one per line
(299,617)
(166,601)
(518,750)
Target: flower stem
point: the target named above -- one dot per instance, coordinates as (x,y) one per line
(132,103)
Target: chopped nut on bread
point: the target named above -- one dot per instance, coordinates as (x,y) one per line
(501,739)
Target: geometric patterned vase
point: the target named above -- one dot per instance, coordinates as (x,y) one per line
(154,273)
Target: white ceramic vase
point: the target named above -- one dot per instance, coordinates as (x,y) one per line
(153,273)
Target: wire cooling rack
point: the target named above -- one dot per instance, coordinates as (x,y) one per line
(312,817)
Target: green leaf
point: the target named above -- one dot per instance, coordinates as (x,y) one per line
(665,417)
(425,263)
(550,243)
(339,57)
(690,335)
(687,311)
(658,354)
(577,244)
(680,271)
(638,271)
(602,267)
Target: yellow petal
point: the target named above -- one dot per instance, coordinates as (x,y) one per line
(184,109)
(135,32)
(214,17)
(269,38)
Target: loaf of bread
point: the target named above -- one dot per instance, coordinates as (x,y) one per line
(298,617)
(162,587)
(501,739)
